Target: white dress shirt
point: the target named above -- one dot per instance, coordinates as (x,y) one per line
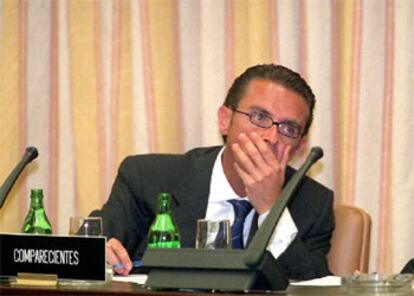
(219,208)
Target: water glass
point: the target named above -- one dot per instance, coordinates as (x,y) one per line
(85,226)
(213,234)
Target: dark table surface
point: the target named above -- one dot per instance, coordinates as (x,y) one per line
(116,288)
(121,288)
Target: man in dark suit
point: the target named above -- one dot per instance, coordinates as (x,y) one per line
(264,119)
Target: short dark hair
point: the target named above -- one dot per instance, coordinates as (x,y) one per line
(278,74)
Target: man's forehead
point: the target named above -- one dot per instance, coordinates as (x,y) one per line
(251,87)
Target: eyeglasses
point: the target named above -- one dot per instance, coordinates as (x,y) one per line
(263,120)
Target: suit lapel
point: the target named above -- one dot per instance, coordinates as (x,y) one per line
(191,195)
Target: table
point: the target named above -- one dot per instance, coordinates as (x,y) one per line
(121,288)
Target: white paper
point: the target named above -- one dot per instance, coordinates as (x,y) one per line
(132,278)
(324,281)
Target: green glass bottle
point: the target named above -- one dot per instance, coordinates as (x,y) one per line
(36,220)
(164,232)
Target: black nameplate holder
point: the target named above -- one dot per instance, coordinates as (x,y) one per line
(67,257)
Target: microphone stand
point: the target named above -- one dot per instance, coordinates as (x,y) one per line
(30,154)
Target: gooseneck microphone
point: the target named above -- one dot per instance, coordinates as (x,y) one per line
(30,154)
(259,242)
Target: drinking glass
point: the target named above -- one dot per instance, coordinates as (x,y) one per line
(85,226)
(213,234)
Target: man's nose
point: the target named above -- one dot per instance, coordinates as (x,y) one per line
(271,134)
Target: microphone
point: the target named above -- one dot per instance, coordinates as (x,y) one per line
(260,240)
(227,270)
(30,154)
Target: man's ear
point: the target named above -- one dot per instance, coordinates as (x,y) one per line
(224,119)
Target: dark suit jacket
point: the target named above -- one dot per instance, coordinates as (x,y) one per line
(132,205)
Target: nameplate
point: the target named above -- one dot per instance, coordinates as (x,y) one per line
(69,257)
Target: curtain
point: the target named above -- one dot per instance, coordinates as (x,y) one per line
(90,82)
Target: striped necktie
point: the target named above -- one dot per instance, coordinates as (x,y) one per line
(241,209)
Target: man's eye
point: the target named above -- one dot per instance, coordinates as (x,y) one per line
(289,130)
(260,117)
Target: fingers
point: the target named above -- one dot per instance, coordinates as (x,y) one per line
(256,157)
(285,156)
(260,169)
(248,157)
(118,257)
(247,179)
